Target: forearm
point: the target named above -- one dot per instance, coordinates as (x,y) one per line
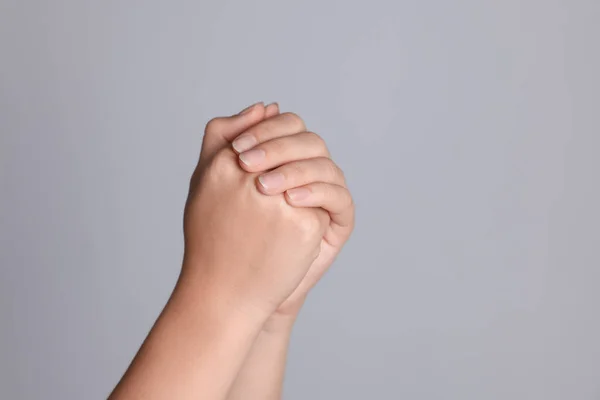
(194,350)
(261,375)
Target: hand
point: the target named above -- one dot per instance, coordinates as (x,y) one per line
(247,249)
(300,167)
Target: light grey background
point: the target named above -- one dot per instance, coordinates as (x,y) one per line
(469,134)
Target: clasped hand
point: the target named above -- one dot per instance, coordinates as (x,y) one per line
(267,213)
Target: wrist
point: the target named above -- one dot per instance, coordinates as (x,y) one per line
(284,318)
(279,323)
(216,304)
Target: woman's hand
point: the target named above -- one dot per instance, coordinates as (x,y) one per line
(247,249)
(292,161)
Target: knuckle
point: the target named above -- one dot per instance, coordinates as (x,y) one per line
(262,132)
(223,162)
(348,200)
(294,171)
(333,171)
(315,137)
(213,126)
(309,225)
(318,141)
(276,146)
(295,120)
(341,172)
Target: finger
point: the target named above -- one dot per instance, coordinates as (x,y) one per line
(220,131)
(300,173)
(277,126)
(249,108)
(324,219)
(335,199)
(282,150)
(271,110)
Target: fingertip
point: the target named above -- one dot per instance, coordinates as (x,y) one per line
(238,123)
(298,195)
(287,198)
(253,158)
(243,143)
(290,200)
(272,183)
(260,186)
(271,110)
(253,115)
(250,109)
(244,163)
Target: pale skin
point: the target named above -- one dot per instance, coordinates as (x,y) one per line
(268,211)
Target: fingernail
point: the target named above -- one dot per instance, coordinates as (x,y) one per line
(249,108)
(272,180)
(298,194)
(244,142)
(252,157)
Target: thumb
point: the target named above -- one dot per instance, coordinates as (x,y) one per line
(220,131)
